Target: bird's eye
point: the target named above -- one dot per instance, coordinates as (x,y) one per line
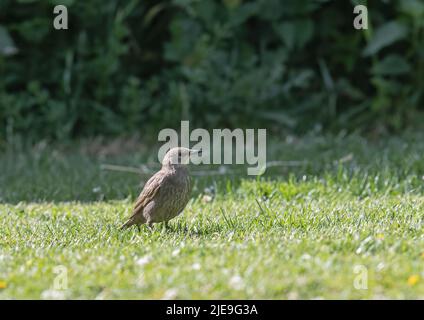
(179,154)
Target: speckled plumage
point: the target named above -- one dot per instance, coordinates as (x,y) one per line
(166,193)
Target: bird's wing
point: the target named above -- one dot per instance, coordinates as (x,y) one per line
(150,190)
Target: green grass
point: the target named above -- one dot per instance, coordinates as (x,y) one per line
(298,232)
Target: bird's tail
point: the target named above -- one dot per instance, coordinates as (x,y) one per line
(126,225)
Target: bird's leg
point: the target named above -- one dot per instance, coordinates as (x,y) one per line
(166,226)
(138,227)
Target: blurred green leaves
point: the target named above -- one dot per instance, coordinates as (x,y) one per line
(392,65)
(384,36)
(139,66)
(7,46)
(296,33)
(413,7)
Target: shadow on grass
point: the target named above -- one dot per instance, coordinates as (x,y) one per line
(178,229)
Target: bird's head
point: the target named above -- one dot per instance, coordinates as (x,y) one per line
(178,157)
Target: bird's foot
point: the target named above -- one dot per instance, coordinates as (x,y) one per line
(165,226)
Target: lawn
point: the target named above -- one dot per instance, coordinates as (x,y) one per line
(340,217)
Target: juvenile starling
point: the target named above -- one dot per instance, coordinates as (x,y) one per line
(166,193)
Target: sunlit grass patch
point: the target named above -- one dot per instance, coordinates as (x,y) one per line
(328,230)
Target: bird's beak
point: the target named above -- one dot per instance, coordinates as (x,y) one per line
(195,151)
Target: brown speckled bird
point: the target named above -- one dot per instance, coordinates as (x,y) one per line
(166,193)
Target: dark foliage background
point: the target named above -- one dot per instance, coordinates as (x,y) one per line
(137,66)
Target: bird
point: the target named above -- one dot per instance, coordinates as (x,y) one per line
(166,193)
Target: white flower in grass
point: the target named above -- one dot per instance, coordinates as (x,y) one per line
(236,282)
(53,295)
(293,295)
(176,252)
(102,295)
(306,257)
(144,260)
(381,266)
(196,266)
(170,294)
(206,198)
